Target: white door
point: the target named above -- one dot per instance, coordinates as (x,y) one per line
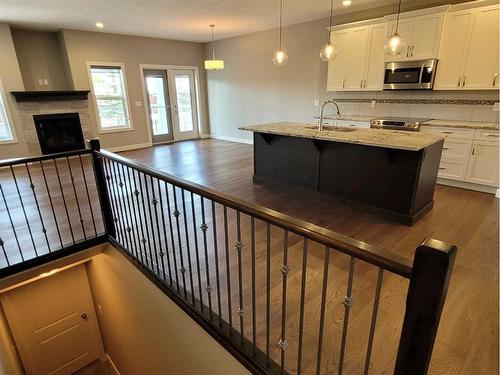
(184,103)
(358,45)
(483,164)
(53,323)
(159,110)
(374,76)
(453,50)
(481,67)
(337,69)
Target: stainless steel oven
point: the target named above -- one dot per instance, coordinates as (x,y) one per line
(410,75)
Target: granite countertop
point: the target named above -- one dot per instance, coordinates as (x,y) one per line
(402,140)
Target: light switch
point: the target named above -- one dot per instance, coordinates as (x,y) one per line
(496,107)
(138,103)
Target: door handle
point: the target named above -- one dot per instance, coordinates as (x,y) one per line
(84,316)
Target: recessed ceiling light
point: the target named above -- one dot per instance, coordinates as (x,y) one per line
(100,25)
(346,3)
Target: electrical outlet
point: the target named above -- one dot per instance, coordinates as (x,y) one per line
(45,81)
(496,107)
(316,102)
(40,81)
(372,104)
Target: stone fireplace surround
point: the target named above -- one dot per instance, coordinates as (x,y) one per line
(27,109)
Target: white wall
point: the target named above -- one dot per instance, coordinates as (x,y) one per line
(144,332)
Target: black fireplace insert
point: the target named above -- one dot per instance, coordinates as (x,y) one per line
(59,132)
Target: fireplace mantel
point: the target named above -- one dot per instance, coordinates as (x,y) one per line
(46,96)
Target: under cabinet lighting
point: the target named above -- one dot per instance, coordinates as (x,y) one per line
(346,3)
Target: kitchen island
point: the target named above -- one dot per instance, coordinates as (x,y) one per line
(389,172)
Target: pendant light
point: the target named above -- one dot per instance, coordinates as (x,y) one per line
(214,64)
(328,51)
(395,45)
(280,56)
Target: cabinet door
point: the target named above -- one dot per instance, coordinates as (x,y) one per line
(483,164)
(453,49)
(374,76)
(405,29)
(338,68)
(482,58)
(426,37)
(358,44)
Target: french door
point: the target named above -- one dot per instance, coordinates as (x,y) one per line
(171,104)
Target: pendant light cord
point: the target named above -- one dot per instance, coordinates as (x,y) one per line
(213,42)
(399,12)
(331,23)
(281,21)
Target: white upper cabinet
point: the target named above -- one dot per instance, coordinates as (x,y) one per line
(359,64)
(421,32)
(469,55)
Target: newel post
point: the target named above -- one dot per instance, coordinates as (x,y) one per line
(102,190)
(432,268)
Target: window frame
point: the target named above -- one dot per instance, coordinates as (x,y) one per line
(8,117)
(126,99)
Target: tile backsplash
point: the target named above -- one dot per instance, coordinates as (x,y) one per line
(442,105)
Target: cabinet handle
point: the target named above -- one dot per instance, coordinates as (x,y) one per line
(463,82)
(495,76)
(459,83)
(446,132)
(408,51)
(361,83)
(446,148)
(473,150)
(492,135)
(442,168)
(412,48)
(343,83)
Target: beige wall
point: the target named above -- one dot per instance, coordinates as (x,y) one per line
(82,47)
(40,57)
(11,79)
(144,332)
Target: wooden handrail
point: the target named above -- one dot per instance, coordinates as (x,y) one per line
(375,255)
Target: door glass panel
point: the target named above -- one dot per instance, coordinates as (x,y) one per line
(183,90)
(157,106)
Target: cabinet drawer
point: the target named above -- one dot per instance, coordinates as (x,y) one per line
(487,135)
(456,148)
(452,169)
(450,132)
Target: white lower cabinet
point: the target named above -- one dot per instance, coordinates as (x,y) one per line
(452,169)
(483,164)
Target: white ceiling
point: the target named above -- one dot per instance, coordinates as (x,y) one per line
(172,19)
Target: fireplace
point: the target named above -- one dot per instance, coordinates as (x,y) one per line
(59,132)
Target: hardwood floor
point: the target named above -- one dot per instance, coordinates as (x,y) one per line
(467,341)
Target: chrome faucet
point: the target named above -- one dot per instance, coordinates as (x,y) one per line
(320,125)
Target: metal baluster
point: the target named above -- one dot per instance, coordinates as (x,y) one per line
(11,224)
(152,225)
(188,248)
(51,204)
(121,207)
(268,292)
(239,247)
(302,303)
(217,271)
(4,252)
(204,228)
(181,258)
(347,302)
(228,272)
(155,204)
(72,178)
(172,233)
(64,200)
(374,320)
(197,254)
(130,219)
(143,254)
(284,270)
(114,204)
(254,294)
(88,195)
(146,226)
(322,309)
(165,233)
(32,185)
(24,209)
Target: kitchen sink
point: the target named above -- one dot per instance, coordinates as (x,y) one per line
(332,128)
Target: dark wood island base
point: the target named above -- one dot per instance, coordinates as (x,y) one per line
(395,183)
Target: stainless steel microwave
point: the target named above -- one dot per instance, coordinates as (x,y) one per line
(410,75)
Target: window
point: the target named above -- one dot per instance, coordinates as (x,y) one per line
(111,97)
(5,129)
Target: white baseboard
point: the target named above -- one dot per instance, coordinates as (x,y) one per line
(112,364)
(232,139)
(203,136)
(128,147)
(469,186)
